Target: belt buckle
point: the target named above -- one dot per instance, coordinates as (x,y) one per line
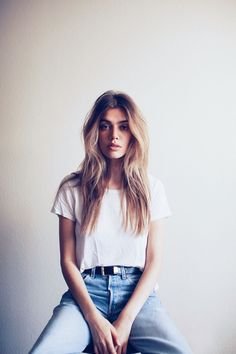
(116,270)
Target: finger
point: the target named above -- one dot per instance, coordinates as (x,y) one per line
(99,349)
(115,336)
(119,350)
(111,348)
(104,348)
(124,349)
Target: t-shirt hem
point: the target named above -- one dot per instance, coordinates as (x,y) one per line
(66,215)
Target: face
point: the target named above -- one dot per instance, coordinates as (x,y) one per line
(114,134)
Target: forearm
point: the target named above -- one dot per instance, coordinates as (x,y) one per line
(143,289)
(78,289)
(104,334)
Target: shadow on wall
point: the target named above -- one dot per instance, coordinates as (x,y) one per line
(22,253)
(15,285)
(89,350)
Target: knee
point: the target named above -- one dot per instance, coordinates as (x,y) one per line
(38,350)
(43,347)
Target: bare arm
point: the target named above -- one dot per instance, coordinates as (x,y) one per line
(69,267)
(104,334)
(144,286)
(151,271)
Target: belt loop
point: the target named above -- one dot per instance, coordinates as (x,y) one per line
(102,270)
(93,272)
(123,272)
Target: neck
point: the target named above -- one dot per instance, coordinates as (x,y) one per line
(114,173)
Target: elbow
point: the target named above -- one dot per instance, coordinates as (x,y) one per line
(65,264)
(154,264)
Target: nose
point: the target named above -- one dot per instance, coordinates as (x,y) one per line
(114,133)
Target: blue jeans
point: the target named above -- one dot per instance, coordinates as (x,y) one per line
(152,331)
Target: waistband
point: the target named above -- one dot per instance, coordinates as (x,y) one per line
(112,270)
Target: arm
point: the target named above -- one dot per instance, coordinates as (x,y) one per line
(102,330)
(69,267)
(145,284)
(151,270)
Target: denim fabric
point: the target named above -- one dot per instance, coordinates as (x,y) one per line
(152,331)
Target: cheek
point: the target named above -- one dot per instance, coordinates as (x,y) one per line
(128,139)
(100,138)
(102,141)
(99,141)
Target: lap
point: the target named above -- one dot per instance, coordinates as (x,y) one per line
(153,331)
(66,331)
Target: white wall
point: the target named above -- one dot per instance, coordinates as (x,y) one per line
(177,60)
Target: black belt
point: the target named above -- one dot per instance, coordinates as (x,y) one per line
(112,270)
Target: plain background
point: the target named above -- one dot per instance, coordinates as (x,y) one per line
(177,60)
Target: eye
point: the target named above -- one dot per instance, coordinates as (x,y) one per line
(104,126)
(124,127)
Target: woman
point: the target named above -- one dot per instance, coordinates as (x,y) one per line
(111,226)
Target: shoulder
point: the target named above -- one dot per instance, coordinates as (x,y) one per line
(70,181)
(69,187)
(154,182)
(160,207)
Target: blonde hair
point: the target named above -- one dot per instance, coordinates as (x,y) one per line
(92,173)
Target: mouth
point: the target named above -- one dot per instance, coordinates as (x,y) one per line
(114,147)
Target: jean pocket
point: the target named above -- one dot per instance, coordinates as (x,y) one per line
(133,279)
(85,276)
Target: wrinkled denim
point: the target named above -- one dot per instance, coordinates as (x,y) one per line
(152,332)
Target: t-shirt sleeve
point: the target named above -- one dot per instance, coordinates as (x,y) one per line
(64,202)
(159,204)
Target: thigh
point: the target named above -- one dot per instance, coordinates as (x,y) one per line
(153,331)
(66,332)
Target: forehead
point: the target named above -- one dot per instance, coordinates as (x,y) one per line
(114,115)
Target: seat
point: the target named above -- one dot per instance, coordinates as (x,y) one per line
(89,349)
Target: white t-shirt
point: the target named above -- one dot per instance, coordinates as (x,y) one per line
(109,244)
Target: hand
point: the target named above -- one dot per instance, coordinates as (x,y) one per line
(123,328)
(104,334)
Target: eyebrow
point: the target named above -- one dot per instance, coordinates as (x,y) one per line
(121,121)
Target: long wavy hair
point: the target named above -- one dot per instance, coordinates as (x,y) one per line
(93,172)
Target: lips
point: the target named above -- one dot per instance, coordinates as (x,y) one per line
(114,145)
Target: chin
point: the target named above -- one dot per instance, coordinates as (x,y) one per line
(113,157)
